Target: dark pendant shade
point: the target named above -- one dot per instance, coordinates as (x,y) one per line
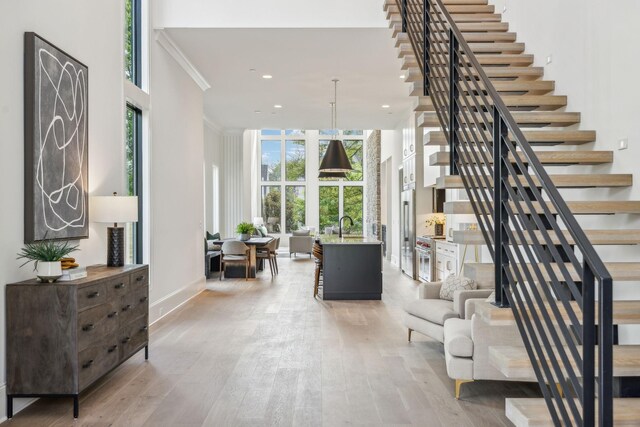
(335,159)
(332,174)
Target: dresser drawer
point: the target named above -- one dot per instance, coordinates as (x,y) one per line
(133,336)
(96,360)
(118,286)
(91,296)
(134,305)
(95,323)
(139,278)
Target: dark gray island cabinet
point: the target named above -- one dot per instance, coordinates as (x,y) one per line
(64,336)
(351,268)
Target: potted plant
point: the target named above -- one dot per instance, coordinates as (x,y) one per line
(244,230)
(46,255)
(437,221)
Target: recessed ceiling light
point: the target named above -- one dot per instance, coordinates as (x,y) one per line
(385,106)
(277,106)
(402,76)
(257,111)
(267,76)
(252,70)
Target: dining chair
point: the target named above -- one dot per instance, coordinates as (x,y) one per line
(267,252)
(318,254)
(235,252)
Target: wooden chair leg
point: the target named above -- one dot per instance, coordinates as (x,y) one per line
(221,269)
(316,282)
(275,261)
(271,265)
(246,271)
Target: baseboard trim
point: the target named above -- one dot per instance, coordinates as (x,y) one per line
(176,299)
(18,403)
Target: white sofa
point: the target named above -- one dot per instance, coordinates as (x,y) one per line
(466,347)
(428,313)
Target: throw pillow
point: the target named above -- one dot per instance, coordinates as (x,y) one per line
(454,283)
(259,232)
(215,236)
(492,298)
(263,230)
(301,233)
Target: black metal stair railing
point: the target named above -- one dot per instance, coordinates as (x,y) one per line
(552,281)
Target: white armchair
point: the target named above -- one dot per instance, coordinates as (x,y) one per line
(301,242)
(428,313)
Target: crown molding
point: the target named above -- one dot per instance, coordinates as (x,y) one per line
(211,124)
(172,48)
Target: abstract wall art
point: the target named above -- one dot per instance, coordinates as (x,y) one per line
(56,142)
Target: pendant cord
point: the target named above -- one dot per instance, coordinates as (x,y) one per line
(335,106)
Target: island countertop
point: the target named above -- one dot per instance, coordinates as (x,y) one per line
(333,239)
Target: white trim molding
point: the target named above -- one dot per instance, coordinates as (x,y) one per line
(163,38)
(211,124)
(175,300)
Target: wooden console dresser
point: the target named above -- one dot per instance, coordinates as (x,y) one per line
(63,336)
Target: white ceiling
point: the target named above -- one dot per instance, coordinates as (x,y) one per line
(302,62)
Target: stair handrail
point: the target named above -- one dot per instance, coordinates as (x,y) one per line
(593,268)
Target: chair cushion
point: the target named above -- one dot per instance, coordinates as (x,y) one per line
(454,283)
(432,310)
(457,337)
(234,258)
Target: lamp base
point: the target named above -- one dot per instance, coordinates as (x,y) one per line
(115,246)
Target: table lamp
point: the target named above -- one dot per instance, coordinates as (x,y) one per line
(114,209)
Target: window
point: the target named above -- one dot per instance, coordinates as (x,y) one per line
(290,132)
(353,147)
(329,206)
(296,160)
(133,42)
(271,207)
(271,162)
(270,132)
(353,132)
(295,207)
(352,201)
(133,162)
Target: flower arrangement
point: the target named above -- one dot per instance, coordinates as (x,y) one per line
(435,219)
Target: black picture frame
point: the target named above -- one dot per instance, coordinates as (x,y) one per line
(56,142)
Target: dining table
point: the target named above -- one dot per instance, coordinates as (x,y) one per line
(255,264)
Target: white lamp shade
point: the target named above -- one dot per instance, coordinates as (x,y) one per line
(114,209)
(258,220)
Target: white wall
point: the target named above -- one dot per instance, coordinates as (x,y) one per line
(177,184)
(594,61)
(212,158)
(391,151)
(92,33)
(270,14)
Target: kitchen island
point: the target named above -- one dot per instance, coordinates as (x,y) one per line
(351,268)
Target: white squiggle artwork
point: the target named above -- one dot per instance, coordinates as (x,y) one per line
(60,144)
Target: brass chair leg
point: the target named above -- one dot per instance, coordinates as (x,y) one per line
(458,385)
(409,334)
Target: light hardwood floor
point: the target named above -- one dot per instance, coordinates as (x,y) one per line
(264,352)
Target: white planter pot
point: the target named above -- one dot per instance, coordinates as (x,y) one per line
(49,271)
(243,237)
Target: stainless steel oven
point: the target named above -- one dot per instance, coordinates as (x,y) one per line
(425,258)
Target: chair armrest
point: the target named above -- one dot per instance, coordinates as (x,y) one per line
(429,290)
(460,297)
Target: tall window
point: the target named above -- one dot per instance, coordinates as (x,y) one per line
(283,173)
(133,42)
(133,151)
(339,197)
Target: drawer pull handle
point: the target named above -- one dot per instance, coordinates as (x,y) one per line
(143,299)
(139,278)
(87,364)
(120,286)
(94,294)
(112,314)
(126,340)
(112,349)
(88,327)
(126,307)
(144,328)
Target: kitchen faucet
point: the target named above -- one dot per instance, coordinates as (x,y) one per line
(340,223)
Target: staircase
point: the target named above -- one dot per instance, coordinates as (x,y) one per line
(507,134)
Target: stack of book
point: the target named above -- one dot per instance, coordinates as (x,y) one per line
(73,274)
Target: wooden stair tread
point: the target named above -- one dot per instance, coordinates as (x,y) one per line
(620,271)
(596,237)
(523,118)
(548,158)
(513,72)
(624,312)
(533,412)
(504,59)
(560,181)
(497,47)
(593,207)
(470,8)
(535,137)
(514,362)
(487,36)
(475,17)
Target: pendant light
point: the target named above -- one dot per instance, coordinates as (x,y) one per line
(324,174)
(335,158)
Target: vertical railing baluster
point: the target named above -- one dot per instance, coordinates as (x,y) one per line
(588,345)
(453,104)
(605,353)
(403,13)
(500,214)
(425,46)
